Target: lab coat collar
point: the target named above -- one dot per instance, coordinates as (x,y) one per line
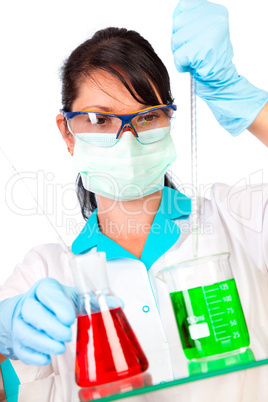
(163,233)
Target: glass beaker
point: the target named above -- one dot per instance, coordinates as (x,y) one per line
(206,305)
(107,349)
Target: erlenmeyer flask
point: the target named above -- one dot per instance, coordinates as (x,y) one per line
(107,349)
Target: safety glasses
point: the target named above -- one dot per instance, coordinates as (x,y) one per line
(105,129)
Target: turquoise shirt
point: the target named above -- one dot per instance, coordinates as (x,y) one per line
(163,234)
(11,381)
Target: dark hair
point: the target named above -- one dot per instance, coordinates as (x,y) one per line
(114,50)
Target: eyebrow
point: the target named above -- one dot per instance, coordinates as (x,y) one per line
(97,107)
(105,108)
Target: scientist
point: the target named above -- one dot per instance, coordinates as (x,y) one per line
(116,121)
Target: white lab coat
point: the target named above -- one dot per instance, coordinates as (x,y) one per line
(234,220)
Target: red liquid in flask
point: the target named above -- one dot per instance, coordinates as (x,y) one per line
(107,349)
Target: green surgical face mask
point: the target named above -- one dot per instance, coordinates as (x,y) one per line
(128,170)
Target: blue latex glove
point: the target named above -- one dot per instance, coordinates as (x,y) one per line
(201,46)
(35,325)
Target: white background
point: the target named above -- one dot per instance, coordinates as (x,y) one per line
(36,37)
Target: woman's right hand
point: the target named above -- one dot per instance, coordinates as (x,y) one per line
(37,324)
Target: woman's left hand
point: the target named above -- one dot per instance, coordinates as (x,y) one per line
(201,45)
(201,41)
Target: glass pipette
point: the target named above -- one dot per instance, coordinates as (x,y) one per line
(194,198)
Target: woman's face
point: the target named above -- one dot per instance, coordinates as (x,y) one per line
(102,92)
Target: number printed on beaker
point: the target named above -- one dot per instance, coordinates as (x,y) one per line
(236,334)
(222,327)
(233,322)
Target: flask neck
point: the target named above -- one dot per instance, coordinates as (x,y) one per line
(89,273)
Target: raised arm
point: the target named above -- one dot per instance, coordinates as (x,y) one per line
(201,46)
(259,127)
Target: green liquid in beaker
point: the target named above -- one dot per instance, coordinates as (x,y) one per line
(210,319)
